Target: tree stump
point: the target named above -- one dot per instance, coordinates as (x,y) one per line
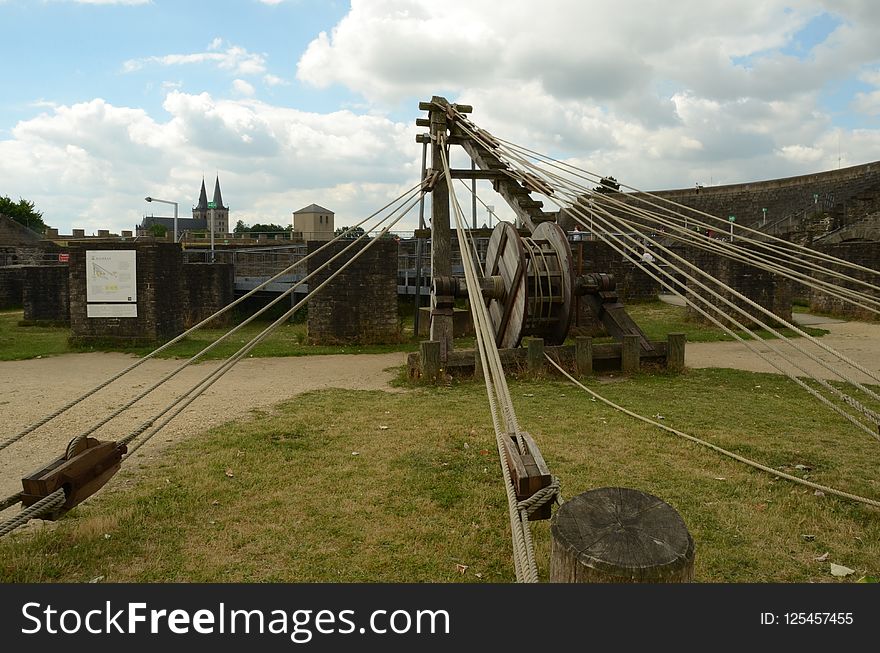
(620,535)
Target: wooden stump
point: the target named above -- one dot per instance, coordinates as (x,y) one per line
(629,354)
(430,355)
(620,535)
(583,356)
(675,351)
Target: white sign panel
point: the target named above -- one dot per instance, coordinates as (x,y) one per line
(111,276)
(111,310)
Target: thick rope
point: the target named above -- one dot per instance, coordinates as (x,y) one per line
(12,439)
(775,472)
(46,504)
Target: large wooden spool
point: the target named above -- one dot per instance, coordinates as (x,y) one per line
(538,283)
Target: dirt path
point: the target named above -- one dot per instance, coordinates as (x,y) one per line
(860,341)
(32,389)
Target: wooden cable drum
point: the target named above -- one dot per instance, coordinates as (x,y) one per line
(538,279)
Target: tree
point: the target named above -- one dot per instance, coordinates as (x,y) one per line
(241,228)
(607,185)
(24,213)
(352,233)
(158,230)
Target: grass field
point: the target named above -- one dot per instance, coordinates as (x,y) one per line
(374,486)
(18,342)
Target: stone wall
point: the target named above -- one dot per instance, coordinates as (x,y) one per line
(11,286)
(14,233)
(159,295)
(46,294)
(866,254)
(207,287)
(360,305)
(768,290)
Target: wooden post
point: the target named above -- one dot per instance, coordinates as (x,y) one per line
(478,364)
(441,246)
(620,535)
(430,355)
(675,351)
(536,357)
(629,354)
(583,356)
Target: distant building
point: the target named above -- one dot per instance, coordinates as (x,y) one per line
(314,222)
(204,214)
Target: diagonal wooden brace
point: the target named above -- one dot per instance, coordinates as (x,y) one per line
(81,475)
(528,471)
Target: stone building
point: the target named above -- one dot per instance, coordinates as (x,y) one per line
(314,222)
(204,214)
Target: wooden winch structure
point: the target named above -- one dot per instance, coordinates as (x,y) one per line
(529,283)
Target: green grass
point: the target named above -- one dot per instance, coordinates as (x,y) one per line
(19,342)
(657,319)
(392,487)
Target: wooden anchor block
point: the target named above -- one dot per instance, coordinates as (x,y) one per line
(528,471)
(88,468)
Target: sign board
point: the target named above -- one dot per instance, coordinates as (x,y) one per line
(111,310)
(732,218)
(111,283)
(212,205)
(64,258)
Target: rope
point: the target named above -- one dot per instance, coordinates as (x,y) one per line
(187,398)
(46,504)
(775,472)
(849,400)
(12,439)
(500,401)
(10,501)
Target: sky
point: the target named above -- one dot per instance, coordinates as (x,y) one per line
(292,102)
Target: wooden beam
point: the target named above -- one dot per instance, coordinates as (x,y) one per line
(461,173)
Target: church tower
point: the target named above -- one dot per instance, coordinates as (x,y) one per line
(212,212)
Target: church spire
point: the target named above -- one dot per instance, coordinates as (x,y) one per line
(218,199)
(203,198)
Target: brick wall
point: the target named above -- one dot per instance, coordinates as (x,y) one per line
(360,305)
(11,286)
(159,295)
(46,295)
(866,254)
(770,291)
(207,287)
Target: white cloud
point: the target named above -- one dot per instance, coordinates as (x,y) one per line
(90,164)
(233,59)
(241,87)
(650,92)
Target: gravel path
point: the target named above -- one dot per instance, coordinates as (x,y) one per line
(31,389)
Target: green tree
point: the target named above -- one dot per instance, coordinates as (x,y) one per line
(353,233)
(241,228)
(158,230)
(24,213)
